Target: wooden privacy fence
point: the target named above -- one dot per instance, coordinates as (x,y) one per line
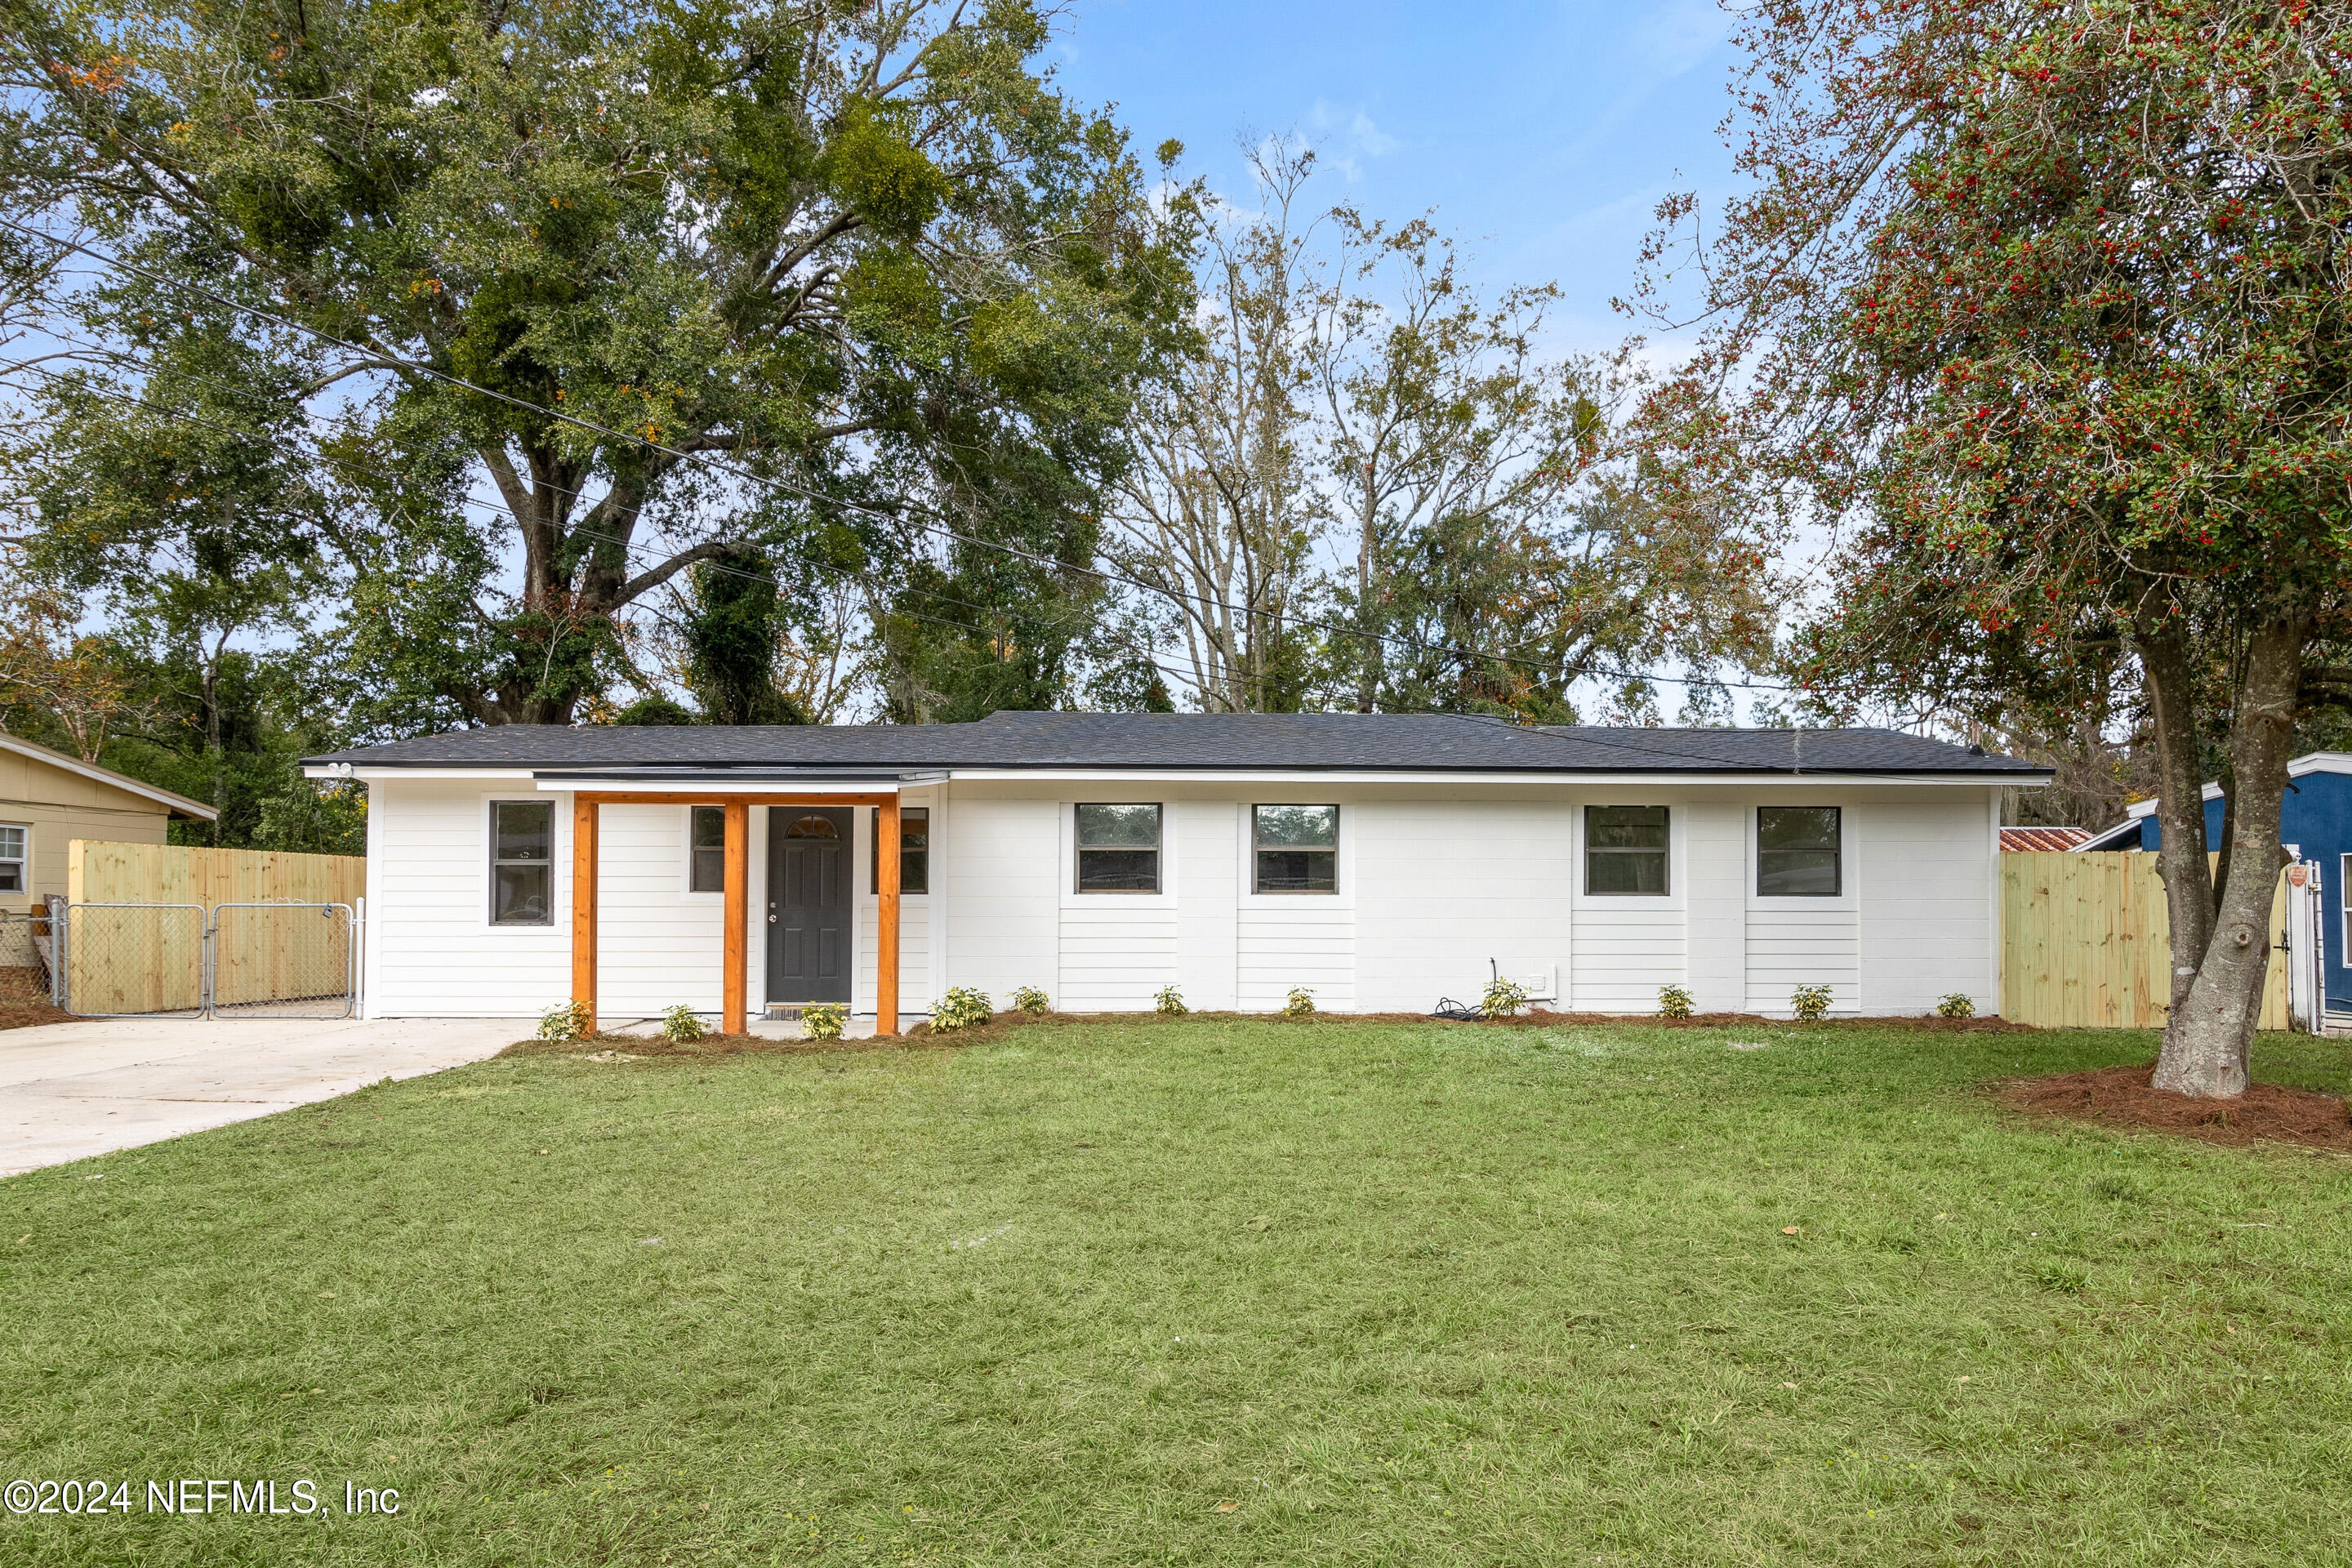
(150,959)
(2086,942)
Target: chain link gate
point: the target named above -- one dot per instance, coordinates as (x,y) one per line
(24,957)
(183,961)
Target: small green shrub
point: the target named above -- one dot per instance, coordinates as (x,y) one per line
(681,1026)
(824,1022)
(960,1008)
(1031,1000)
(1673,1002)
(1503,998)
(1169,1003)
(1808,1002)
(1957,1006)
(568,1021)
(1299,1004)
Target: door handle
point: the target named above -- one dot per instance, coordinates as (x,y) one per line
(771,920)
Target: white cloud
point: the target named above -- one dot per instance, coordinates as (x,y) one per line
(1677,35)
(1370,137)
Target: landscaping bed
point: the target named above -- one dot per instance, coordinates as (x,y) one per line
(2121,1096)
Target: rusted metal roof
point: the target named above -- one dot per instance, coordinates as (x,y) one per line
(2043,837)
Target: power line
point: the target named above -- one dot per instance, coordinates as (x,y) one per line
(745,476)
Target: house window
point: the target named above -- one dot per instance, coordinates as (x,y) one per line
(707,849)
(15,850)
(1625,850)
(2343,901)
(1297,848)
(1118,849)
(914,850)
(1797,851)
(522,862)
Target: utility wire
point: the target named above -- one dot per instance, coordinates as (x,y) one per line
(898,515)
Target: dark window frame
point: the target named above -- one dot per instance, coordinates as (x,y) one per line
(1260,849)
(1836,889)
(699,855)
(1662,853)
(918,854)
(495,860)
(1080,851)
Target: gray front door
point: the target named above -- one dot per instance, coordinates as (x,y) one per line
(808,903)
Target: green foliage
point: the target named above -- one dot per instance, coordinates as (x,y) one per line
(566,1021)
(1169,1002)
(1299,1004)
(682,1025)
(865,256)
(1031,1000)
(1810,1004)
(823,1021)
(961,1008)
(1673,1002)
(1503,998)
(731,644)
(1955,1006)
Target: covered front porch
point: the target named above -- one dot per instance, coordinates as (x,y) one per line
(733,795)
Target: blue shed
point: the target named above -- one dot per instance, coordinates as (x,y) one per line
(2316,822)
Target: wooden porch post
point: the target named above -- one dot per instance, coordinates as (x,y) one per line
(737,900)
(585,814)
(885,925)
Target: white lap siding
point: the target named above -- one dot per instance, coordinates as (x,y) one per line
(1433,884)
(431,948)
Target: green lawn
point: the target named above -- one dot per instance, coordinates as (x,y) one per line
(1398,1292)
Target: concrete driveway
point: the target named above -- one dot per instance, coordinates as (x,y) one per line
(71,1090)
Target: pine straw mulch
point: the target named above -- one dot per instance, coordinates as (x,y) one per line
(2121,1097)
(24,1014)
(613,1047)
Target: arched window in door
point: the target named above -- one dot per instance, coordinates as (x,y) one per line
(812,826)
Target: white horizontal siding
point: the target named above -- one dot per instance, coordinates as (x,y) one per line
(1924,930)
(997,862)
(431,950)
(1312,944)
(1623,952)
(1789,947)
(1113,959)
(1443,888)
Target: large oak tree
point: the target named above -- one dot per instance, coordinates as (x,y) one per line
(811,280)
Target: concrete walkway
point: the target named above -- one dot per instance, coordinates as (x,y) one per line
(71,1090)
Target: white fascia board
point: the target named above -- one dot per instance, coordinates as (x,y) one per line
(1576,781)
(717,784)
(2320,762)
(389,776)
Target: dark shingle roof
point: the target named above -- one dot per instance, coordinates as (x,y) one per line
(1265,742)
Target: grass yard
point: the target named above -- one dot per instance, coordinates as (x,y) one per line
(1215,1290)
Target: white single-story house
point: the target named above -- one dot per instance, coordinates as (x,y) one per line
(1382,860)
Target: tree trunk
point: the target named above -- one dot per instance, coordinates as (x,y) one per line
(2165,658)
(2210,1030)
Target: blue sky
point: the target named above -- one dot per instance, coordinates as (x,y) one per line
(1544,134)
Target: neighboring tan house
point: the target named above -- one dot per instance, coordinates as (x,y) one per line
(48,799)
(1383,861)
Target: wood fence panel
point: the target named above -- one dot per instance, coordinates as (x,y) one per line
(2086,941)
(140,961)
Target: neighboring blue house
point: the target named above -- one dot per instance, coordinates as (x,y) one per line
(2316,822)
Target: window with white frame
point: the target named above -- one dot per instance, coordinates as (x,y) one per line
(1797,851)
(16,856)
(1118,849)
(1625,850)
(1295,848)
(707,848)
(522,862)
